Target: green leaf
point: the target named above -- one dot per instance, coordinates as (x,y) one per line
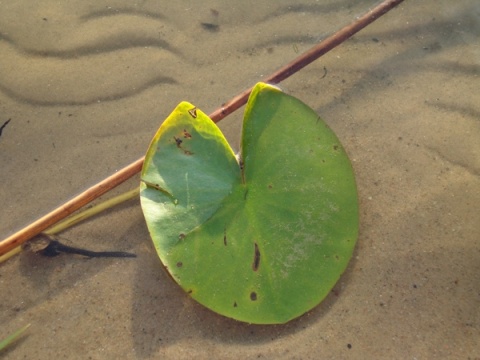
(263,241)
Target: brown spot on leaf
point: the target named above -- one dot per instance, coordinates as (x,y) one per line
(234,304)
(253,296)
(256,258)
(179,264)
(186,134)
(225,236)
(178,141)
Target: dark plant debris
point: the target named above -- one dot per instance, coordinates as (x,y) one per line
(48,245)
(210,27)
(4,125)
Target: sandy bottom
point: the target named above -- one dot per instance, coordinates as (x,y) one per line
(85,84)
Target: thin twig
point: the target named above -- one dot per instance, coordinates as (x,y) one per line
(12,337)
(122,175)
(309,56)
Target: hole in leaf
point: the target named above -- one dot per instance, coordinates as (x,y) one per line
(179,264)
(193,112)
(225,236)
(234,304)
(253,296)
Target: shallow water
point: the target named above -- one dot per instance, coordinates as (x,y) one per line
(85,84)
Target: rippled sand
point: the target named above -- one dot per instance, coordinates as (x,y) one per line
(85,84)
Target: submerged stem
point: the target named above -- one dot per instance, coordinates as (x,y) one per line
(81,216)
(94,210)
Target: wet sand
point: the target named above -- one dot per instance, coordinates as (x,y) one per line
(85,84)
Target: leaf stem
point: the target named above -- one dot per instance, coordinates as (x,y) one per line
(81,216)
(94,210)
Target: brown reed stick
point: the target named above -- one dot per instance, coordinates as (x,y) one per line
(127,172)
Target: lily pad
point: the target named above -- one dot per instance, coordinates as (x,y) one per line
(261,240)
